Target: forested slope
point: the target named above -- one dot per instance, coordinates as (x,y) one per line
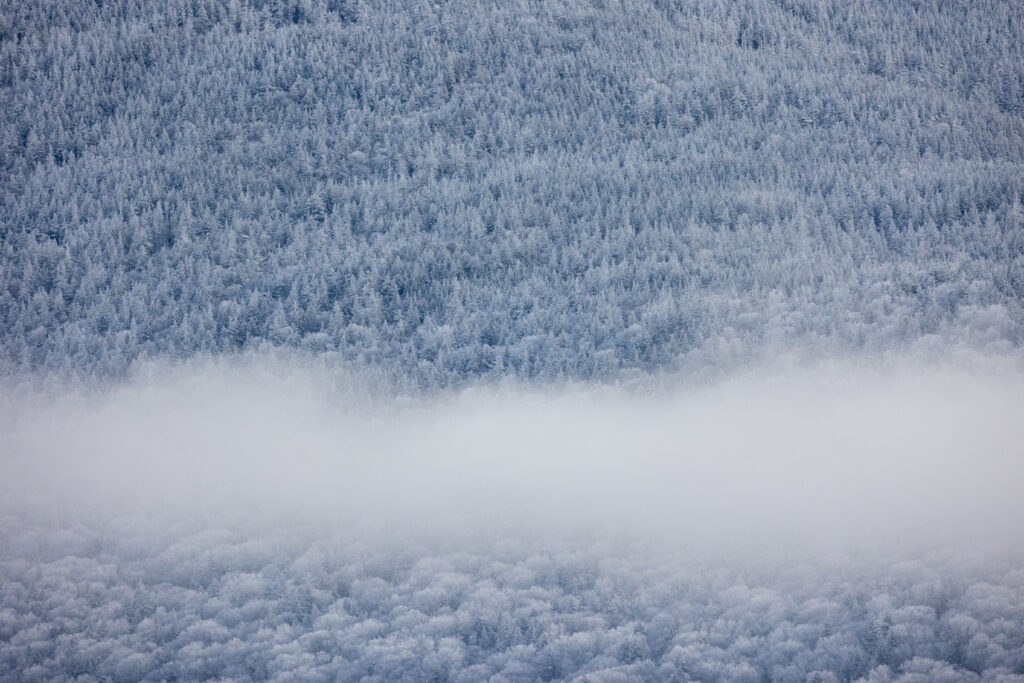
(444,191)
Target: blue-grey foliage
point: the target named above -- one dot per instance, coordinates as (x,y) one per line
(130,602)
(452,190)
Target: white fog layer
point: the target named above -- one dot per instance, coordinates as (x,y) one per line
(832,452)
(244,520)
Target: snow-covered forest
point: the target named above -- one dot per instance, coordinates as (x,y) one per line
(467,340)
(211,604)
(443,191)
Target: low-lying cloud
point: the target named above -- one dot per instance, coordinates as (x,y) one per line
(905,452)
(251,521)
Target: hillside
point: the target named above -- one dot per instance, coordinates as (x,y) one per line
(449,191)
(534,340)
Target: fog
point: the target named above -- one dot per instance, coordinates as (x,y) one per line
(259,518)
(839,453)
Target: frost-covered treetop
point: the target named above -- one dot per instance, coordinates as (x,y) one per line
(450,191)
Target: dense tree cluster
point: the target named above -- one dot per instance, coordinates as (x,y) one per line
(130,602)
(460,189)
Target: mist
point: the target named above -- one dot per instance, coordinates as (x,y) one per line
(262,518)
(838,453)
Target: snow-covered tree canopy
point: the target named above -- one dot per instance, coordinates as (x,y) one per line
(512,340)
(130,602)
(444,191)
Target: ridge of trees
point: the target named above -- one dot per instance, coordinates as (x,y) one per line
(455,190)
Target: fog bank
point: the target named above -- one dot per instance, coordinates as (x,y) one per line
(831,454)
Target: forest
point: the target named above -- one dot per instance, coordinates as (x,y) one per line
(443,192)
(512,340)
